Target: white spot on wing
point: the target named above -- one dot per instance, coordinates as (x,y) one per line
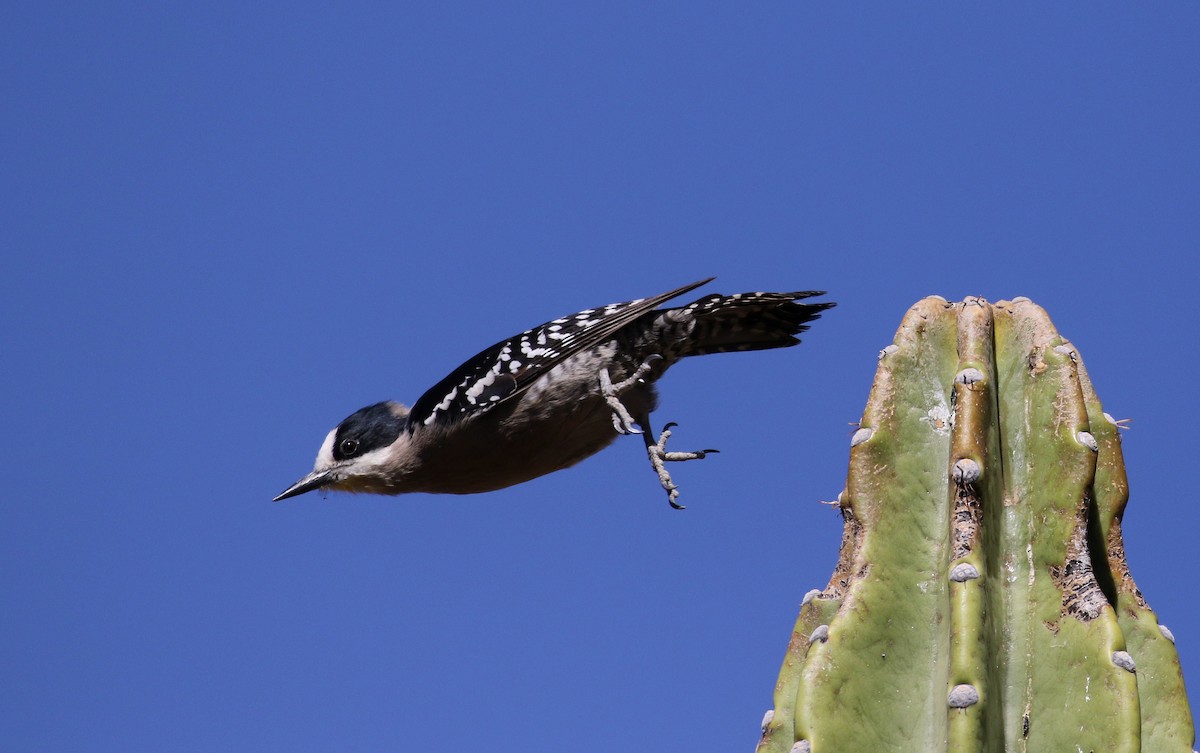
(445,404)
(477,389)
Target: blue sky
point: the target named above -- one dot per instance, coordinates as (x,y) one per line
(226,227)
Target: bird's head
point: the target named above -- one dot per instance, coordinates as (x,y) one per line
(355,455)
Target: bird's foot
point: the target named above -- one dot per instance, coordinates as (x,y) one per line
(659,457)
(623,422)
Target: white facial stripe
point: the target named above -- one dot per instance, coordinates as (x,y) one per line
(325,454)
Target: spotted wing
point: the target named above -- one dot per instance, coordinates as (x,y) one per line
(508,368)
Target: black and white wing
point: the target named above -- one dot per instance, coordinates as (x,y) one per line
(509,368)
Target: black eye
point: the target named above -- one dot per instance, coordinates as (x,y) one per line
(348,447)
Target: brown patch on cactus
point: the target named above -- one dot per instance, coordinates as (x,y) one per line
(797,648)
(965,520)
(1082,596)
(843,573)
(1115,547)
(863,571)
(882,390)
(1036,364)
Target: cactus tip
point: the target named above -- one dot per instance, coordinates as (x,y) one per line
(967,471)
(861,436)
(767,717)
(962,696)
(963,572)
(1123,660)
(969,376)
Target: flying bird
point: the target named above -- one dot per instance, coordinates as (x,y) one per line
(549,397)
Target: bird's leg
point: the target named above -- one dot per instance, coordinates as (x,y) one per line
(622,421)
(659,457)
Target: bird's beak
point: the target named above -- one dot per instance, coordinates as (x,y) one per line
(314,480)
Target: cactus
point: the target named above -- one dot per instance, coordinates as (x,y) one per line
(981,600)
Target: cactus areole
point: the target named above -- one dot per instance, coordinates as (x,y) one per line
(981,600)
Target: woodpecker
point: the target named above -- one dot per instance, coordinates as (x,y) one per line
(549,397)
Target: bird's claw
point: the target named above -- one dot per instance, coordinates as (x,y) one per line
(659,457)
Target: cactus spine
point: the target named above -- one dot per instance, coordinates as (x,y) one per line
(981,601)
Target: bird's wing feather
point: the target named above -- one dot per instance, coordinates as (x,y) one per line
(508,368)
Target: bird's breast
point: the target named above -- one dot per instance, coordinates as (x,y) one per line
(517,442)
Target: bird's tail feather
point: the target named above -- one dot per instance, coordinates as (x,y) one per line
(750,321)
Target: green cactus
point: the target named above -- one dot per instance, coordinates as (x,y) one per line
(981,601)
